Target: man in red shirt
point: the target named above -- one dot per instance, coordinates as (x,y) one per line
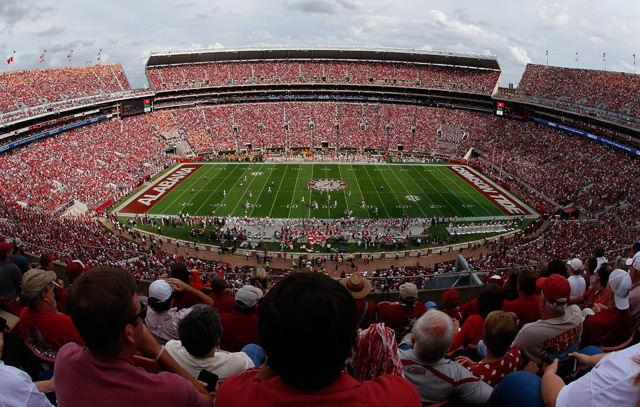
(611,325)
(308,325)
(359,287)
(240,326)
(104,307)
(401,315)
(39,317)
(526,305)
(222,301)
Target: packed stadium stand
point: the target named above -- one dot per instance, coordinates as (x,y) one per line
(394,104)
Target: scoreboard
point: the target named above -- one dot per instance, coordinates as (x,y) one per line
(512,110)
(136,106)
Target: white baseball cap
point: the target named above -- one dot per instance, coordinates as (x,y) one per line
(620,284)
(575,264)
(160,290)
(248,296)
(634,261)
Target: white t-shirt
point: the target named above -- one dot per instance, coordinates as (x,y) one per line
(610,383)
(224,364)
(578,285)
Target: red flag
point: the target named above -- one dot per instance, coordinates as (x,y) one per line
(10,60)
(42,56)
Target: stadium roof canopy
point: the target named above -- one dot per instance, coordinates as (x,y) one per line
(191,56)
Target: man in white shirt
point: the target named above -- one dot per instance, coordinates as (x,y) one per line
(576,281)
(199,334)
(17,389)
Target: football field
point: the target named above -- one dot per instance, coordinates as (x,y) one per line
(292,190)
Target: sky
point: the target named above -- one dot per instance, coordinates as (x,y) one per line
(517,32)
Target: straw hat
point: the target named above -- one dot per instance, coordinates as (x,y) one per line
(357,285)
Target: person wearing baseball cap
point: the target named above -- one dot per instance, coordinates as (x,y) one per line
(577,282)
(611,324)
(163,316)
(40,314)
(240,326)
(400,315)
(634,294)
(359,287)
(559,329)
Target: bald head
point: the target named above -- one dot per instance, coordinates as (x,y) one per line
(432,335)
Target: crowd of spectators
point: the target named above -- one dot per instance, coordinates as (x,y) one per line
(611,95)
(35,91)
(217,74)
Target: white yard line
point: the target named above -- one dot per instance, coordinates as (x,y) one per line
(408,192)
(219,185)
(360,189)
(275,197)
(295,184)
(376,189)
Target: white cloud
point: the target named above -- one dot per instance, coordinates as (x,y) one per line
(555,15)
(519,55)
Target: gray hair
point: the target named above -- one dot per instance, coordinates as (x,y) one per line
(432,335)
(555,307)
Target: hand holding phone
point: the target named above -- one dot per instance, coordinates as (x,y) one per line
(211,379)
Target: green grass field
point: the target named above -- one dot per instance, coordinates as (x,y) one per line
(396,190)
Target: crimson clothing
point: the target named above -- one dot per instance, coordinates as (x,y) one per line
(85,379)
(525,307)
(185,300)
(493,372)
(470,332)
(609,327)
(365,318)
(383,391)
(56,329)
(399,317)
(224,302)
(469,308)
(239,329)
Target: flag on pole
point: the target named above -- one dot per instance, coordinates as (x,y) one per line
(576,57)
(42,56)
(547,53)
(99,54)
(604,57)
(10,59)
(69,55)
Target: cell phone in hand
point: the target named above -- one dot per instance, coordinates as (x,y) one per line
(567,367)
(211,379)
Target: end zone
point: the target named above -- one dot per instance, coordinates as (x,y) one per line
(154,193)
(502,200)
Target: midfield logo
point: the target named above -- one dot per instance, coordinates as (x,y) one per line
(326,185)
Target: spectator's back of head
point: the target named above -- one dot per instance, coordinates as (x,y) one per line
(590,264)
(46,261)
(432,335)
(598,252)
(160,295)
(490,299)
(527,282)
(557,266)
(603,273)
(258,278)
(179,271)
(101,304)
(200,330)
(307,324)
(218,285)
(499,331)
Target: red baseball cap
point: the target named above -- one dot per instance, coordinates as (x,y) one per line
(555,288)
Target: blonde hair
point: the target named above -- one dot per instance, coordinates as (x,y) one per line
(500,328)
(259,278)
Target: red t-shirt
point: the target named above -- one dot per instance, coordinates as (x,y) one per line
(185,300)
(398,317)
(383,391)
(470,332)
(224,303)
(56,329)
(525,307)
(239,329)
(85,379)
(609,327)
(493,372)
(368,317)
